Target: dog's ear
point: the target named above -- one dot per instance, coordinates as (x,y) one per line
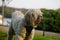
(28,18)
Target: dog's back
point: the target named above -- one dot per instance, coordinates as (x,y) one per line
(17,20)
(17,14)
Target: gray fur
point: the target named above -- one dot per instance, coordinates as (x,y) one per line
(19,21)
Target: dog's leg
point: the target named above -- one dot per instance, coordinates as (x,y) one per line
(10,33)
(31,35)
(21,35)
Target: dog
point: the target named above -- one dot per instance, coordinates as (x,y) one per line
(23,25)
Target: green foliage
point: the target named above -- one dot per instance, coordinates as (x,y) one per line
(51,20)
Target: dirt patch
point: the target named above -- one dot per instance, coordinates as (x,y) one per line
(3,28)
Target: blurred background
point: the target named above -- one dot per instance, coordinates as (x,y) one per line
(49,8)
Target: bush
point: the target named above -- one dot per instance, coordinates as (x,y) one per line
(51,21)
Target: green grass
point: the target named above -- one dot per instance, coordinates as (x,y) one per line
(36,37)
(2,38)
(2,33)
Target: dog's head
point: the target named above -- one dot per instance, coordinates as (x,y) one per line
(33,17)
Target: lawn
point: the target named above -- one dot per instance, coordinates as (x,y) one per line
(1,34)
(36,37)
